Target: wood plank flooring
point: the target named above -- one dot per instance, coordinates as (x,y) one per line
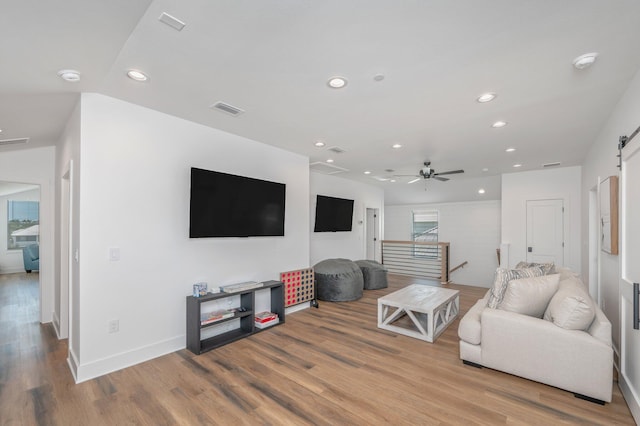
(326,366)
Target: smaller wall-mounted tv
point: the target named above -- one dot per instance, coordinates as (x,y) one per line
(333,214)
(224,205)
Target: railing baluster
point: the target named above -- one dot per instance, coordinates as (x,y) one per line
(417,258)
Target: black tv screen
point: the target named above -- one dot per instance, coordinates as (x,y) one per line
(224,205)
(333,214)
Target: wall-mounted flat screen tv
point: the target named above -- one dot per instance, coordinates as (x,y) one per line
(225,205)
(333,214)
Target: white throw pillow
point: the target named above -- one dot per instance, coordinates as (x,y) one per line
(565,273)
(530,296)
(502,278)
(571,307)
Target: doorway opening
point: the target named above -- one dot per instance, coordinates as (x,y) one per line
(19,244)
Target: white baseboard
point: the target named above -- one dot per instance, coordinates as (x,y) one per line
(56,324)
(12,270)
(91,370)
(72,360)
(296,308)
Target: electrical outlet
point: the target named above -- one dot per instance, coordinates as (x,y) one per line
(113,326)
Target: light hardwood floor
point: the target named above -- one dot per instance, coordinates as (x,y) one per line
(326,366)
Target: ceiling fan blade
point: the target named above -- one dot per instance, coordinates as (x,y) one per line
(407,176)
(451,172)
(440,178)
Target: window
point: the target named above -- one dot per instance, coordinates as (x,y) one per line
(23,220)
(425,229)
(425,226)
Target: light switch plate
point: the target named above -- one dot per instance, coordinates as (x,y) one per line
(114,254)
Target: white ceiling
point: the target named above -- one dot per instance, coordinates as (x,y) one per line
(272,58)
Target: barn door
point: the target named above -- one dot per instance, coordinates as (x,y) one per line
(630,274)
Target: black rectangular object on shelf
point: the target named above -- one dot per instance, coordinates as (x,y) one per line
(226,205)
(333,214)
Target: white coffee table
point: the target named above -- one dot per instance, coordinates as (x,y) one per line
(431,310)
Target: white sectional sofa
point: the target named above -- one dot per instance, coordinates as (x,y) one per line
(544,328)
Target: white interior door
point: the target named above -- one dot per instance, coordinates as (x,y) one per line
(630,273)
(545,236)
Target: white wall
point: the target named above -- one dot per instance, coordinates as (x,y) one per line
(36,166)
(134,195)
(11,261)
(348,245)
(68,155)
(472,229)
(518,188)
(600,163)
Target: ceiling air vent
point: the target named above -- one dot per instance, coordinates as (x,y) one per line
(337,150)
(324,168)
(171,21)
(557,163)
(13,141)
(229,109)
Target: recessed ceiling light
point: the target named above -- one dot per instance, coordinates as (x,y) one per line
(137,75)
(485,169)
(481,191)
(585,61)
(329,160)
(392,180)
(396,146)
(337,82)
(72,76)
(0,130)
(510,150)
(499,124)
(517,165)
(319,144)
(486,97)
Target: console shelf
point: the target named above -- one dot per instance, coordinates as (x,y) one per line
(198,345)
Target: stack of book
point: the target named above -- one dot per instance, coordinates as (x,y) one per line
(266,319)
(209,317)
